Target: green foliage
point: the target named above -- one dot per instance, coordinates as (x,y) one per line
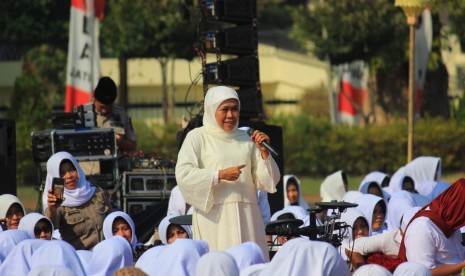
(139,28)
(157,139)
(350,30)
(39,86)
(317,148)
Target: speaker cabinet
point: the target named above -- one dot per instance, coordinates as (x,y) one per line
(8,156)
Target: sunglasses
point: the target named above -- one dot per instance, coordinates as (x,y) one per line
(39,230)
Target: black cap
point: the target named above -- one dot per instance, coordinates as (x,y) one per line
(105,92)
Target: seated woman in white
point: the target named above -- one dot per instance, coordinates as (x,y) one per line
(169,232)
(37,225)
(375,210)
(120,224)
(433,237)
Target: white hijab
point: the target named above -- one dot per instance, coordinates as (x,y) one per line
(59,253)
(301,256)
(363,188)
(431,189)
(177,203)
(371,270)
(399,203)
(18,262)
(351,196)
(408,215)
(145,262)
(178,258)
(423,168)
(395,184)
(84,257)
(332,187)
(375,176)
(29,221)
(6,201)
(110,255)
(218,263)
(246,254)
(412,269)
(253,270)
(366,204)
(349,217)
(213,99)
(163,228)
(83,192)
(108,226)
(9,239)
(302,202)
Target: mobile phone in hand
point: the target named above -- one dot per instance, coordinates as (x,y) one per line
(58,189)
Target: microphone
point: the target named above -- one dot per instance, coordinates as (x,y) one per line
(250,131)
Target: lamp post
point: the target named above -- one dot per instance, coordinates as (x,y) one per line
(412,9)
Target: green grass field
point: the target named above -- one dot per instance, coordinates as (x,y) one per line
(310,188)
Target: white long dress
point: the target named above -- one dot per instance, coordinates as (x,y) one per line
(225,214)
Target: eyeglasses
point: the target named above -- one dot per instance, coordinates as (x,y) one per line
(39,230)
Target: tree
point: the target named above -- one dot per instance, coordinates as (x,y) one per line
(164,30)
(40,85)
(374,31)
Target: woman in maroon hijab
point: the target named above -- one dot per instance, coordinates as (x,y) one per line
(433,237)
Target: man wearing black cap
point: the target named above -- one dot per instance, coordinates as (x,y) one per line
(110,115)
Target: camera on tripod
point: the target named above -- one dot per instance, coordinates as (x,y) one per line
(332,231)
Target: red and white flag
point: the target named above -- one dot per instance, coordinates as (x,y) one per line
(83,68)
(423,41)
(353,78)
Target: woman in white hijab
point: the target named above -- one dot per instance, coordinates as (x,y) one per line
(80,215)
(120,224)
(301,256)
(375,210)
(37,225)
(110,255)
(18,262)
(358,228)
(9,239)
(178,258)
(334,187)
(51,270)
(169,232)
(218,263)
(219,169)
(424,168)
(246,254)
(11,211)
(57,252)
(293,192)
(399,203)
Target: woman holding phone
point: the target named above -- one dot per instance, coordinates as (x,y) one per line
(80,213)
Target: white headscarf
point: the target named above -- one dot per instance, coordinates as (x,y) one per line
(377,177)
(83,192)
(57,252)
(351,196)
(408,215)
(332,187)
(301,256)
(145,262)
(246,254)
(51,270)
(177,203)
(110,255)
(423,168)
(178,258)
(349,217)
(213,99)
(29,221)
(218,263)
(412,269)
(163,228)
(108,226)
(302,201)
(399,203)
(84,257)
(6,201)
(18,262)
(297,211)
(431,189)
(371,270)
(366,204)
(253,270)
(9,239)
(395,184)
(363,188)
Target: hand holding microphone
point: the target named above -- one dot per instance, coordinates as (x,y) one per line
(261,140)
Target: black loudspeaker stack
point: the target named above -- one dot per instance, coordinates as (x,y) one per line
(8,156)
